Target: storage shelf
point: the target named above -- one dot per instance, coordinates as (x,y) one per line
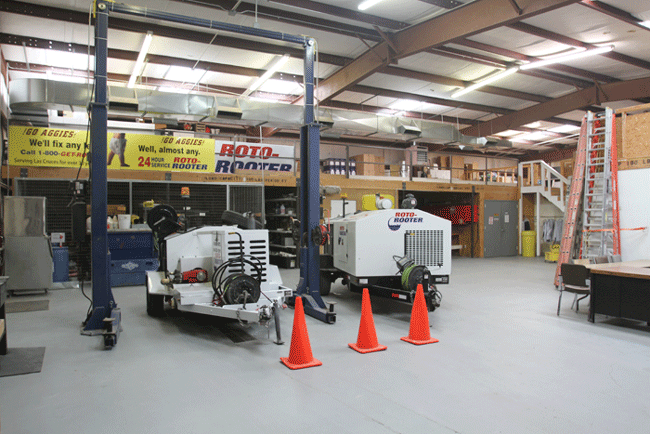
(280,231)
(282,199)
(280,215)
(280,246)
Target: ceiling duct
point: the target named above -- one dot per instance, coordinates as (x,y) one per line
(41,94)
(325,119)
(410,130)
(122,98)
(228,108)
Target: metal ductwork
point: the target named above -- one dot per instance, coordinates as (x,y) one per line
(33,94)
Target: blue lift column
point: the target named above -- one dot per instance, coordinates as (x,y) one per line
(105,316)
(309,284)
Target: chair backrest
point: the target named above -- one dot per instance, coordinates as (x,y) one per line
(601,260)
(615,258)
(574,274)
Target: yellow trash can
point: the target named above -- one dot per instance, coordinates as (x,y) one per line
(528,244)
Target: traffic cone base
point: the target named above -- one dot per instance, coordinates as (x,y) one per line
(356,347)
(419,333)
(300,355)
(367,339)
(418,342)
(288,364)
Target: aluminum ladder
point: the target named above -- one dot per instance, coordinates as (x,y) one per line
(591,221)
(600,223)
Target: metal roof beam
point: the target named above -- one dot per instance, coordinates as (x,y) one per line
(518,56)
(614,12)
(617,91)
(476,17)
(283,16)
(347,14)
(556,37)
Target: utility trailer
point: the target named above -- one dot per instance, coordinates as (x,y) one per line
(221,271)
(390,252)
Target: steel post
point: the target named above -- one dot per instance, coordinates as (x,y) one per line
(309,284)
(103,302)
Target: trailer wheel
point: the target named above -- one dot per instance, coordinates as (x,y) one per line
(325,283)
(155,304)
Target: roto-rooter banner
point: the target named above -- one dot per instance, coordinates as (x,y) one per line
(53,147)
(252,156)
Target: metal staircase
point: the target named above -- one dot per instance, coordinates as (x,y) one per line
(591,222)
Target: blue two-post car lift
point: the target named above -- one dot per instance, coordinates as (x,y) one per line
(105,316)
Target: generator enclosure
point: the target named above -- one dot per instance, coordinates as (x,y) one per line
(366,244)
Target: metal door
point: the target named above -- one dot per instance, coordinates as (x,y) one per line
(500,228)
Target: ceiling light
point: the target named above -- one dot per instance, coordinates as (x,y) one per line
(367,4)
(645,24)
(568,57)
(485,82)
(137,69)
(535,124)
(509,133)
(268,74)
(405,105)
(564,129)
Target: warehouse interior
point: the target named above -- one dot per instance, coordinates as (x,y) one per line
(189,185)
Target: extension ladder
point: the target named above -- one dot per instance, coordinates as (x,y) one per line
(600,233)
(591,222)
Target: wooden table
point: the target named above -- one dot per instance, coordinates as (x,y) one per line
(621,289)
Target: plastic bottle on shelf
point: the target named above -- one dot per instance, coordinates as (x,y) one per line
(282,209)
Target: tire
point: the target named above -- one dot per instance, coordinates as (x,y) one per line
(239,220)
(155,304)
(325,283)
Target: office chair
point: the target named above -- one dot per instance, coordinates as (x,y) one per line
(574,279)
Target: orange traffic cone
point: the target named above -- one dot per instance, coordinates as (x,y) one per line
(419,331)
(367,339)
(300,355)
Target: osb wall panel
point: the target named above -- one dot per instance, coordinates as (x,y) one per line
(528,208)
(636,136)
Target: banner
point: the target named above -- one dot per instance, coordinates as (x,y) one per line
(252,156)
(53,147)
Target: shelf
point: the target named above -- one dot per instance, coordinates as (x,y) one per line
(280,231)
(280,215)
(285,255)
(282,199)
(280,246)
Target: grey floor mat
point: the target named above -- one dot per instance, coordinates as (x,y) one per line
(27,306)
(20,361)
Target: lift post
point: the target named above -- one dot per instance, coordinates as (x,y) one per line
(309,285)
(105,316)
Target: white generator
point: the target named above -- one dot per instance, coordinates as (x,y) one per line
(391,251)
(221,271)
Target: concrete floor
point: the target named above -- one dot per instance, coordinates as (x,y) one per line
(505,363)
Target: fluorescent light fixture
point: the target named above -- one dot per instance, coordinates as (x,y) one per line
(137,69)
(568,57)
(367,4)
(535,124)
(406,105)
(485,82)
(268,74)
(509,133)
(564,129)
(645,24)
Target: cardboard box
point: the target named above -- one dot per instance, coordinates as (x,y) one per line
(369,165)
(110,209)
